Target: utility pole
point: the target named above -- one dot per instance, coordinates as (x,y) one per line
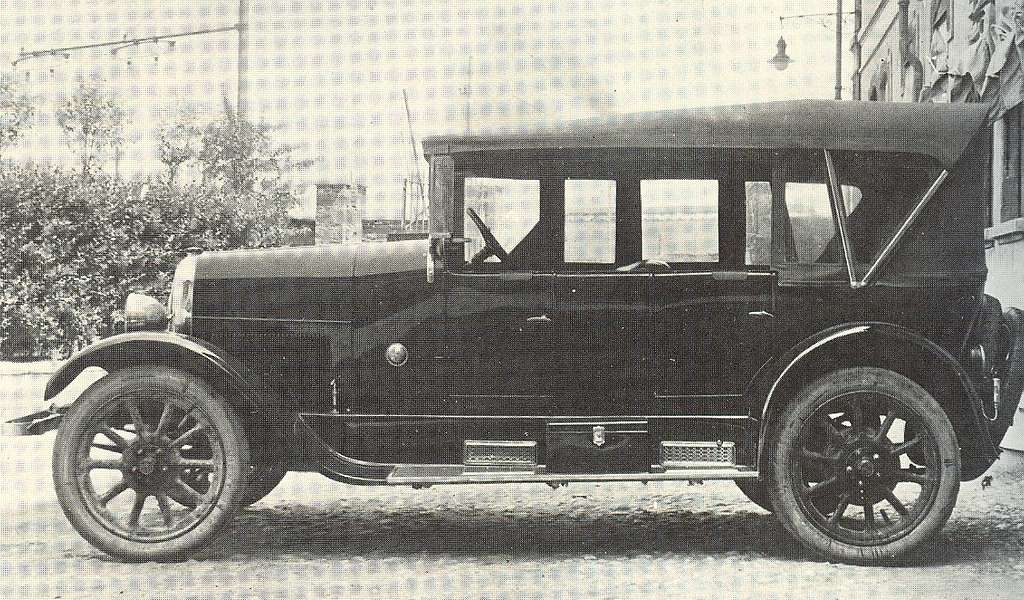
(839,49)
(243,59)
(858,19)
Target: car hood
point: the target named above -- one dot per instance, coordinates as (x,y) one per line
(328,261)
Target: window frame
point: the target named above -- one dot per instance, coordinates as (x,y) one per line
(627,168)
(784,252)
(793,272)
(718,221)
(579,265)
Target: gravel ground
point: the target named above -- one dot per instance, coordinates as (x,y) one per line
(316,538)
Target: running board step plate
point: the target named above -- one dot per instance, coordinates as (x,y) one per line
(451,474)
(513,454)
(698,455)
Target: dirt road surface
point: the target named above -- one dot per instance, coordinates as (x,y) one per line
(319,539)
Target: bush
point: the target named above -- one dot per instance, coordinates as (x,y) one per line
(72,248)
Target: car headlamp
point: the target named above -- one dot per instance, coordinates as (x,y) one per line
(143,312)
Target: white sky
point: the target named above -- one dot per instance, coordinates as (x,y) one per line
(330,74)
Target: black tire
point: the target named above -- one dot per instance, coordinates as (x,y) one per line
(833,447)
(264,478)
(144,427)
(756,491)
(268,468)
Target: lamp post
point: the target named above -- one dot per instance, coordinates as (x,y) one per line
(781,60)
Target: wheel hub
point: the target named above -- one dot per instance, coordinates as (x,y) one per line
(866,467)
(147,461)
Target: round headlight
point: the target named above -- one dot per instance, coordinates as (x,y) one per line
(143,312)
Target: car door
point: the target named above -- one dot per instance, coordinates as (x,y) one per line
(602,318)
(499,324)
(711,308)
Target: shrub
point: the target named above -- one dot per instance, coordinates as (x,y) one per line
(72,248)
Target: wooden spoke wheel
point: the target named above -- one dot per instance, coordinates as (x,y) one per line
(865,465)
(149,463)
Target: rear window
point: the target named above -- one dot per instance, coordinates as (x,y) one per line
(814,229)
(879,191)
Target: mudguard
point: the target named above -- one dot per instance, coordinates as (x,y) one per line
(222,371)
(887,346)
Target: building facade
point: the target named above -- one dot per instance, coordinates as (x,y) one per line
(339,212)
(960,51)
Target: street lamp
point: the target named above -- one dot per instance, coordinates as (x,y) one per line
(781,60)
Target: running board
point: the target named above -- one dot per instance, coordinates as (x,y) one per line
(450,474)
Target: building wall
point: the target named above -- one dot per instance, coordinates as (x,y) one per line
(948,56)
(339,212)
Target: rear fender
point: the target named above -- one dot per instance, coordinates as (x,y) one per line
(886,346)
(204,360)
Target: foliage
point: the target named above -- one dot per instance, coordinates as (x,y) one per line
(16,112)
(92,122)
(177,144)
(241,155)
(73,248)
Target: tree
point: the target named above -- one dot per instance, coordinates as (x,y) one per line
(239,154)
(92,122)
(16,112)
(178,144)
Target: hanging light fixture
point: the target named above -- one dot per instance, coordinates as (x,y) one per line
(781,60)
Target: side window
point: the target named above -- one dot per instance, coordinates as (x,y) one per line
(510,208)
(759,223)
(810,213)
(680,219)
(589,221)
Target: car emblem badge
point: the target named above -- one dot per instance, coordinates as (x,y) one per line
(397,354)
(598,435)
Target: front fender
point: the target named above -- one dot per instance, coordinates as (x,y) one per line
(214,365)
(887,346)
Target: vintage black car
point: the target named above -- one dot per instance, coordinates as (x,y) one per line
(788,295)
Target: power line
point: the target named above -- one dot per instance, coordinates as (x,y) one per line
(66,51)
(242,27)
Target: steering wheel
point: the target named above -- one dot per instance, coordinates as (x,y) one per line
(491,244)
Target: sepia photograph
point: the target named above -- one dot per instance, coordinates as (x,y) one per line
(512,299)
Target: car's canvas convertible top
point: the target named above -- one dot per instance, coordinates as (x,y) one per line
(941,131)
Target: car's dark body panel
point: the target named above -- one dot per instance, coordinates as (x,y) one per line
(693,352)
(464,343)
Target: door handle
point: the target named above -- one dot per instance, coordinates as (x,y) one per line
(761,313)
(539,319)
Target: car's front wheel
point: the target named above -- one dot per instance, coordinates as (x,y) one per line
(264,478)
(149,463)
(864,466)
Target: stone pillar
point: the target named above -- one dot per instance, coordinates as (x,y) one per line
(339,213)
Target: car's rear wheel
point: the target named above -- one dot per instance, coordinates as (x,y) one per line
(864,466)
(149,463)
